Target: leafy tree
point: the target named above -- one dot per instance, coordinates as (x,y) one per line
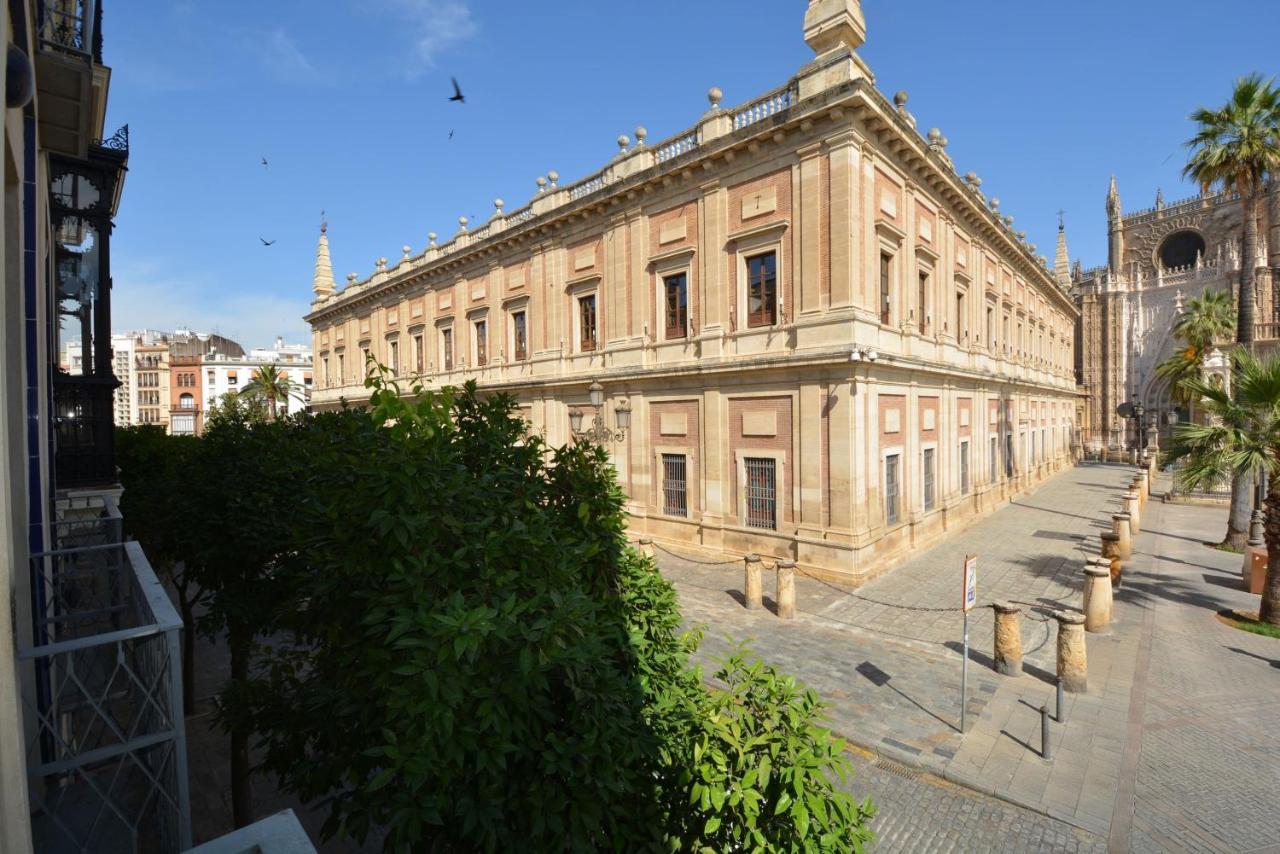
(269,383)
(234,406)
(1205,319)
(156,471)
(469,657)
(1235,149)
(1242,437)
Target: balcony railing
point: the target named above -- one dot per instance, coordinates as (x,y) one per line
(1266,331)
(84,426)
(106,745)
(72,26)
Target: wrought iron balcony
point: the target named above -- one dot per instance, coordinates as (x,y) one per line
(106,745)
(84,424)
(72,26)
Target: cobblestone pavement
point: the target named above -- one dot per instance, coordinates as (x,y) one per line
(1170,748)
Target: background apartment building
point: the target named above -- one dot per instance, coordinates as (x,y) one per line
(802,332)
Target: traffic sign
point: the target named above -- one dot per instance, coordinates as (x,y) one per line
(970,582)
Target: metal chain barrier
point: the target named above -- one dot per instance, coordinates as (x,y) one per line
(733,562)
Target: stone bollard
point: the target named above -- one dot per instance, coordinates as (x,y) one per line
(1135,512)
(646,546)
(1136,488)
(1144,480)
(1097,596)
(1008,639)
(785,592)
(1073,667)
(1120,527)
(753,586)
(1111,552)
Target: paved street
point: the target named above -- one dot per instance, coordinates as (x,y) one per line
(1169,748)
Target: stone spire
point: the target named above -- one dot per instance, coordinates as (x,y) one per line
(323,284)
(1115,230)
(1061,259)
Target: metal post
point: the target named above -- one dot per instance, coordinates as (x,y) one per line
(964,674)
(1045,750)
(173,641)
(1058,717)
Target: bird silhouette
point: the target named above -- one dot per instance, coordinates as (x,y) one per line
(457,92)
(450,134)
(266,242)
(264,163)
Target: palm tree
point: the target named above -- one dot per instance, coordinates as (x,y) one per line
(1235,149)
(269,384)
(1205,319)
(1242,437)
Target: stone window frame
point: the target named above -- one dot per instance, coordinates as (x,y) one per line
(475,317)
(692,490)
(781,510)
(443,325)
(418,347)
(577,291)
(510,308)
(674,263)
(926,264)
(890,241)
(930,445)
(752,244)
(392,342)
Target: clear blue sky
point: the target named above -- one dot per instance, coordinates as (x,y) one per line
(346,100)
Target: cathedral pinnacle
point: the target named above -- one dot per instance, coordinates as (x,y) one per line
(1061,259)
(323,284)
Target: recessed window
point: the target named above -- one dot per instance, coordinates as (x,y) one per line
(417,353)
(675,500)
(1008,454)
(481,328)
(886,275)
(587,323)
(929,489)
(762,290)
(520,335)
(446,349)
(994,461)
(891,488)
(342,368)
(960,309)
(762,493)
(676,292)
(964,468)
(924,296)
(393,356)
(991,327)
(187,401)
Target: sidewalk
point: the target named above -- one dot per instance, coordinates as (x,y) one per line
(1129,763)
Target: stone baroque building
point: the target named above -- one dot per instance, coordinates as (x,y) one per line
(1157,259)
(832,347)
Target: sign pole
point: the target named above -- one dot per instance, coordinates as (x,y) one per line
(968,598)
(964,672)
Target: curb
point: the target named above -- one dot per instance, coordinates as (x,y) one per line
(945,773)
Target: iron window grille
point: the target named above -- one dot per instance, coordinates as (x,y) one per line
(928,479)
(762,290)
(762,493)
(675,497)
(891,488)
(677,304)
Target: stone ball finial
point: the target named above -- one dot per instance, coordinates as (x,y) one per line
(542,184)
(623,142)
(498,204)
(900,98)
(714,95)
(1008,219)
(641,134)
(351,278)
(1044,262)
(382,263)
(934,135)
(406,249)
(971,177)
(462,221)
(431,238)
(995,203)
(942,140)
(554,176)
(1022,235)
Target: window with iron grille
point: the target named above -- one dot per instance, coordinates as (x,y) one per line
(891,488)
(520,335)
(964,468)
(928,478)
(587,323)
(886,270)
(446,348)
(675,498)
(994,464)
(677,305)
(762,290)
(762,493)
(482,342)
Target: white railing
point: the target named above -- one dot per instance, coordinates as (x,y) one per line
(586,187)
(680,145)
(762,108)
(520,216)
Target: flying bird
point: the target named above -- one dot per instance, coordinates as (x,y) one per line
(457,92)
(264,163)
(450,134)
(266,242)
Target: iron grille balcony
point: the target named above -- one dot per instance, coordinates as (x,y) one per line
(106,745)
(72,27)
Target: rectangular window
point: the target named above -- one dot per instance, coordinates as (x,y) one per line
(928,479)
(417,353)
(364,360)
(1008,454)
(960,315)
(587,323)
(520,335)
(964,468)
(182,424)
(886,272)
(1005,338)
(324,371)
(924,297)
(762,493)
(675,500)
(212,377)
(991,327)
(446,349)
(232,379)
(762,290)
(482,342)
(676,292)
(393,356)
(891,488)
(994,462)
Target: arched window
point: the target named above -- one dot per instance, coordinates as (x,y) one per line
(186,401)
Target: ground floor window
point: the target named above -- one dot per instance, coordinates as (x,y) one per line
(675,500)
(928,479)
(762,493)
(891,488)
(964,468)
(181,424)
(994,463)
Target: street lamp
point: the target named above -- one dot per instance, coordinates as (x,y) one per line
(599,431)
(1138,411)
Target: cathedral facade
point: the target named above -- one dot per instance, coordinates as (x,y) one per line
(796,328)
(1157,259)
